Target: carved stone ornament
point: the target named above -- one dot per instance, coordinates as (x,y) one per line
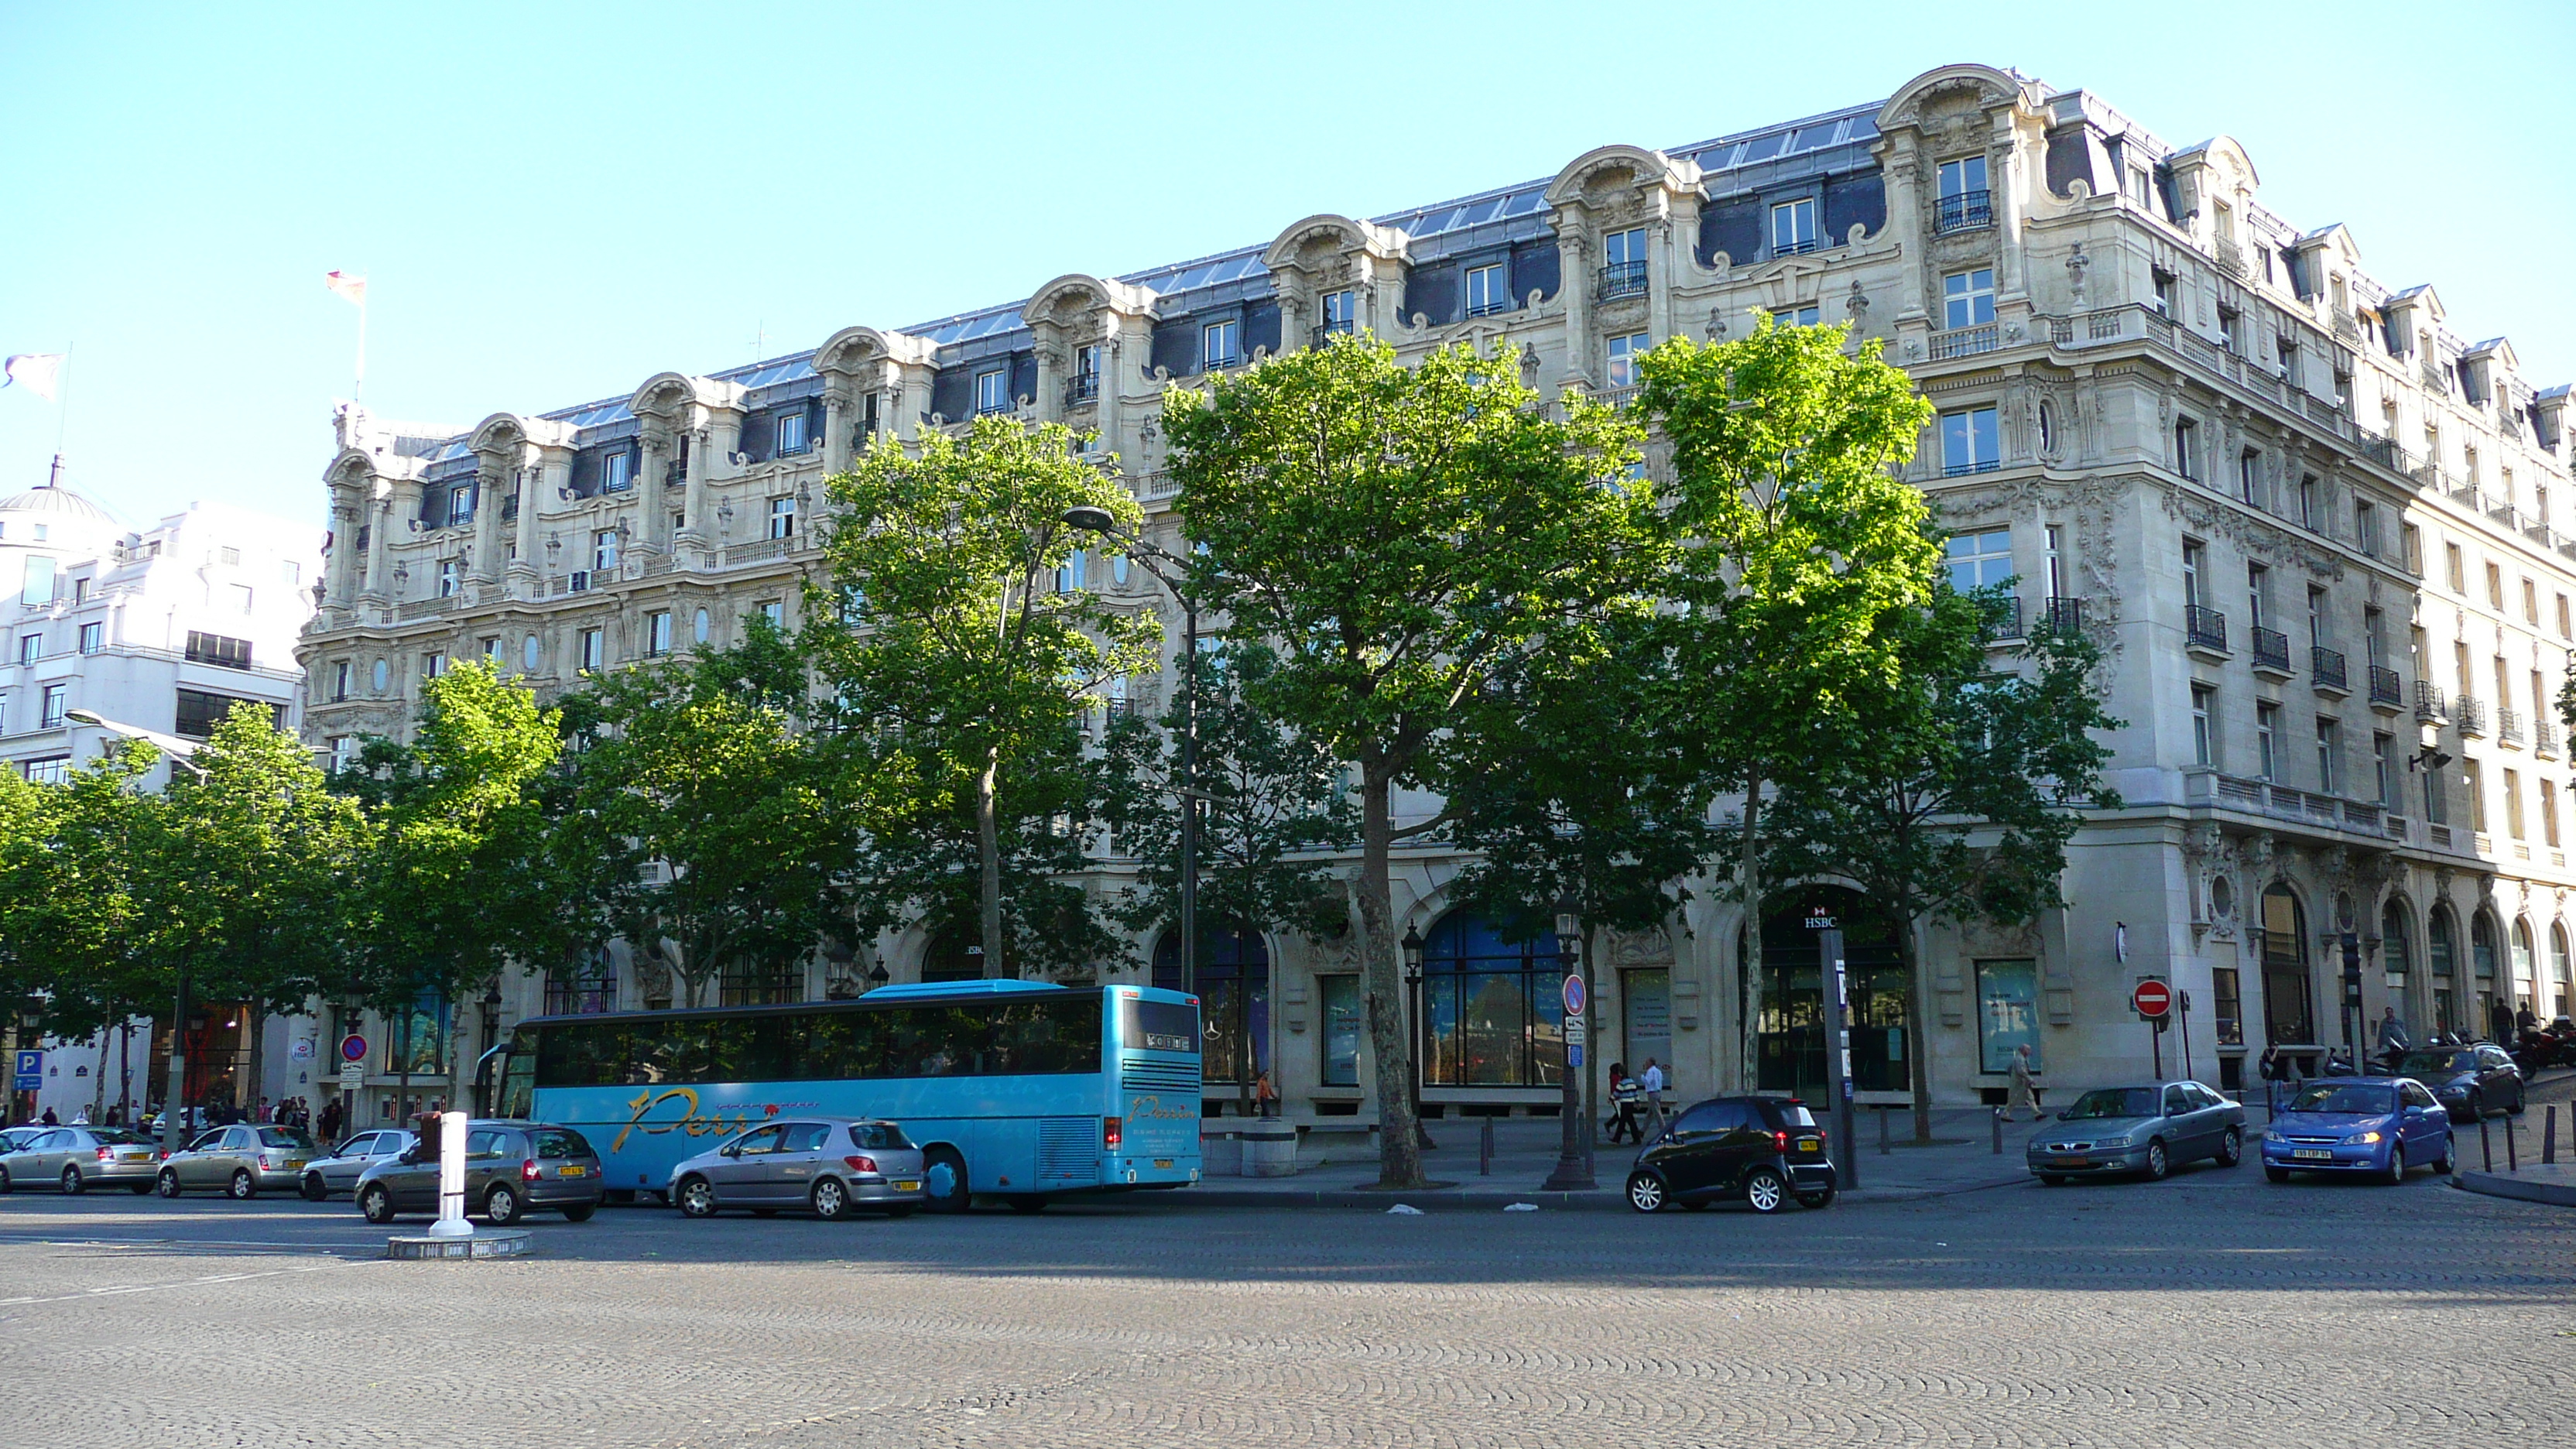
(1641,948)
(1856,302)
(2076,265)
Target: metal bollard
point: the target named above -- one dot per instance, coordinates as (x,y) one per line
(1485,1150)
(2549,1136)
(1999,1132)
(2512,1161)
(2486,1147)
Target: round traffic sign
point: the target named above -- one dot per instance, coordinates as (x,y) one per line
(1573,995)
(353,1048)
(2152,999)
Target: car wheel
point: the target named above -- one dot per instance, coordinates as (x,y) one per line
(696,1197)
(72,1184)
(4,1182)
(2275,1174)
(2052,1179)
(2158,1164)
(2477,1107)
(243,1187)
(2521,1099)
(1645,1192)
(377,1204)
(830,1199)
(2231,1147)
(314,1191)
(2396,1171)
(2442,1164)
(501,1205)
(580,1212)
(944,1182)
(1824,1199)
(167,1184)
(1764,1190)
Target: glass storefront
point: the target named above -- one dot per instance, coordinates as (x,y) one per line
(1342,1024)
(1791,1035)
(2288,1017)
(1646,1009)
(2008,1013)
(1234,999)
(1493,1010)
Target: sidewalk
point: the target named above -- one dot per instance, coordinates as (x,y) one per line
(1961,1159)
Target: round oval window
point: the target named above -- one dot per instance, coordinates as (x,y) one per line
(384,675)
(1118,567)
(528,654)
(704,625)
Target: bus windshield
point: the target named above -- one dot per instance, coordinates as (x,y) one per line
(1158,1026)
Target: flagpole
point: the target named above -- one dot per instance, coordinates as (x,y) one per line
(62,418)
(358,393)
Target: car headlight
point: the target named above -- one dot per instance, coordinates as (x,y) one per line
(2365,1137)
(2271,1136)
(2112,1142)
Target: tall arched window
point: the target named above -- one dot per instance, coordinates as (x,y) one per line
(2441,959)
(2562,971)
(2523,988)
(2393,956)
(1492,1013)
(1234,998)
(2288,1019)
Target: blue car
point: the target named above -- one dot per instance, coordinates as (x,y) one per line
(2374,1126)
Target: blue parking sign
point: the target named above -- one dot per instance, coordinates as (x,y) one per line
(30,1075)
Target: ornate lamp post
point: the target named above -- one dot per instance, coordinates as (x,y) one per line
(1574,1157)
(1413,944)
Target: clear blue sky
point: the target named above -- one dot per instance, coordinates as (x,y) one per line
(555,203)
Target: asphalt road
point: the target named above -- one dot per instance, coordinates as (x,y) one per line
(2211,1309)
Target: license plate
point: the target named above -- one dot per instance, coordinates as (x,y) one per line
(2314,1154)
(134,1157)
(573,1169)
(1164,1163)
(2070,1162)
(293,1163)
(907,1184)
(1811,1144)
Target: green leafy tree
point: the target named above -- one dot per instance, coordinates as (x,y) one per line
(72,930)
(1958,788)
(951,643)
(1802,542)
(1400,536)
(728,832)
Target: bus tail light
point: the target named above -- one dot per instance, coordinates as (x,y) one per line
(861,1164)
(1113,1131)
(528,1170)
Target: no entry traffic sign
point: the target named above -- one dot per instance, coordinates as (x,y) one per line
(2152,999)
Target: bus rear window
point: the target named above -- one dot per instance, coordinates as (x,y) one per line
(1158,1026)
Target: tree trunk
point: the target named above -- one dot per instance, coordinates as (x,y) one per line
(988,852)
(1918,1059)
(1749,871)
(124,1072)
(256,1019)
(98,1099)
(1399,1153)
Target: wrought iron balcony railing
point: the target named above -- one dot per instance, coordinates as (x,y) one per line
(1966,211)
(2385,687)
(2326,668)
(2204,627)
(1622,279)
(2271,648)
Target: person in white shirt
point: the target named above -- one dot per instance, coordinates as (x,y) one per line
(1652,1079)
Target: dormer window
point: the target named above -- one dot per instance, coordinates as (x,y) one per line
(460,505)
(791,432)
(992,392)
(1221,344)
(1341,312)
(1486,294)
(1793,227)
(617,472)
(1966,204)
(1623,264)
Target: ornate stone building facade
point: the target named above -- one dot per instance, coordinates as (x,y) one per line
(2310,526)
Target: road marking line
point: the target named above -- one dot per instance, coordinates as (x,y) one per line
(176,1283)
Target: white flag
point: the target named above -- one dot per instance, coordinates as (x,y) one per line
(353,288)
(37,372)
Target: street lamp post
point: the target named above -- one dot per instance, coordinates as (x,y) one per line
(1413,944)
(1574,1157)
(1146,552)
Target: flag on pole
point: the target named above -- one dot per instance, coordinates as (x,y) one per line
(37,372)
(353,288)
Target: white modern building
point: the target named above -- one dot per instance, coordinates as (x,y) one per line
(159,630)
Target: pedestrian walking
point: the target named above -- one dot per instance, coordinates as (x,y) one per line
(1652,1080)
(2024,1093)
(1625,1094)
(331,1120)
(1265,1097)
(2392,1038)
(49,1119)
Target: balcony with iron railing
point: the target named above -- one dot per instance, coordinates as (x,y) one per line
(581,997)
(2430,707)
(2271,648)
(2065,615)
(2204,628)
(1082,387)
(2326,669)
(1339,327)
(2002,619)
(2544,738)
(2385,687)
(1965,211)
(2469,715)
(1621,279)
(2509,726)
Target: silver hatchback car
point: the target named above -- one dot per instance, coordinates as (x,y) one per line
(832,1166)
(335,1174)
(76,1159)
(243,1160)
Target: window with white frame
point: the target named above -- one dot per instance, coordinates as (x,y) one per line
(460,504)
(447,578)
(1968,298)
(594,648)
(2329,755)
(603,549)
(782,517)
(2249,477)
(50,706)
(432,665)
(1624,352)
(2383,771)
(1793,226)
(617,472)
(31,647)
(1970,442)
(1965,202)
(1978,560)
(993,391)
(1623,263)
(775,612)
(1795,317)
(791,432)
(2186,441)
(53,770)
(341,679)
(2267,740)
(1486,292)
(1341,311)
(1221,343)
(492,651)
(657,632)
(2204,707)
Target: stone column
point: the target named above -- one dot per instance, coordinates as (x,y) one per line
(1904,181)
(1048,405)
(380,513)
(837,424)
(693,494)
(1659,282)
(348,512)
(1574,279)
(488,487)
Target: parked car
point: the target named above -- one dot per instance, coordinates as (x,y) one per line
(832,1166)
(2148,1129)
(12,1138)
(2470,1081)
(76,1159)
(243,1160)
(2380,1126)
(510,1167)
(336,1173)
(1764,1150)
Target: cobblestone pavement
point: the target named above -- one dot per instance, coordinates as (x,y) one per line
(2212,1309)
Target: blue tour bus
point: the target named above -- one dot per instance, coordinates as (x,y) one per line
(1013,1089)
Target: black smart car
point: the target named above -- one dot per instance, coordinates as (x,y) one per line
(1764,1150)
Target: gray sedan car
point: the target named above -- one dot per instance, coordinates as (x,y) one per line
(76,1159)
(510,1167)
(2145,1129)
(243,1160)
(335,1174)
(831,1166)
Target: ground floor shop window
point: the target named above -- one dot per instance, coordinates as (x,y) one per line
(1234,999)
(1646,1007)
(1493,1011)
(2230,1005)
(416,1040)
(955,954)
(1341,1011)
(2287,1017)
(2008,1012)
(1790,1037)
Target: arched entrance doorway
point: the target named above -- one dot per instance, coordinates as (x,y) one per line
(956,953)
(2289,1014)
(1234,999)
(1789,1040)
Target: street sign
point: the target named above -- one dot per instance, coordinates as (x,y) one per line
(2152,999)
(1573,996)
(1574,1057)
(1576,1032)
(353,1076)
(30,1073)
(302,1050)
(353,1048)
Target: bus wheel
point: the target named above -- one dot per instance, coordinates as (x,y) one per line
(943,1181)
(1027,1202)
